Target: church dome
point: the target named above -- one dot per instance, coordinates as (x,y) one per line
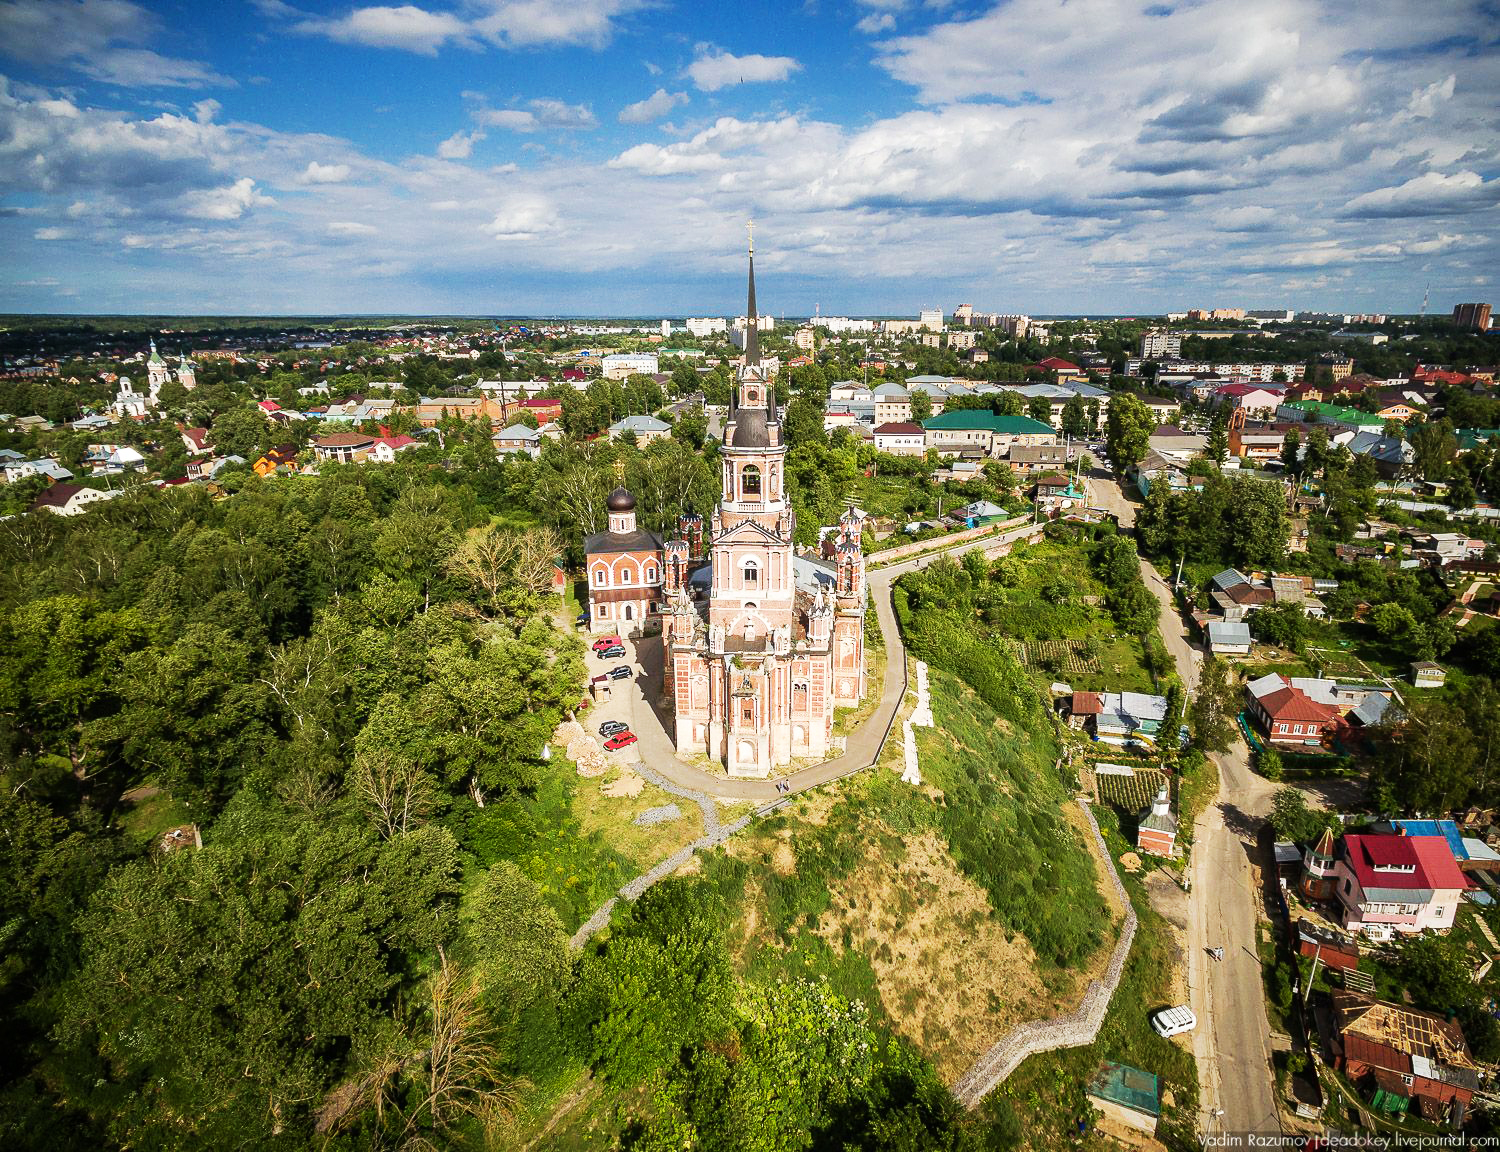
(620,500)
(750,429)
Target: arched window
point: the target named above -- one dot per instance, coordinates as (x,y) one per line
(750,480)
(751,574)
(598,577)
(651,574)
(629,614)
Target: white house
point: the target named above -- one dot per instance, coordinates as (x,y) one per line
(901,439)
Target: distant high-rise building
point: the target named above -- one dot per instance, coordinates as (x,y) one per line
(1475,317)
(702,326)
(666,329)
(962,314)
(931,319)
(1157,343)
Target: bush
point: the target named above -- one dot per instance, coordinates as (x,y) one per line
(1269,763)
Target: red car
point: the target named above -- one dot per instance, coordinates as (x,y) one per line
(608,642)
(620,740)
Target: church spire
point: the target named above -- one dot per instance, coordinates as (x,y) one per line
(752,322)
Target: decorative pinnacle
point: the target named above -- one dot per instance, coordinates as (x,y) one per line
(750,235)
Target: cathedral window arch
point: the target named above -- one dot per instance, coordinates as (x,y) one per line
(750,574)
(650,573)
(750,480)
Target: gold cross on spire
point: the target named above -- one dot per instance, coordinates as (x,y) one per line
(750,234)
(620,471)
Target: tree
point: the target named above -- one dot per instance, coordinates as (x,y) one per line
(691,428)
(1039,408)
(239,432)
(1284,625)
(1009,404)
(1425,757)
(518,940)
(1211,715)
(1292,819)
(1218,439)
(1291,450)
(1075,420)
(921,405)
(1130,425)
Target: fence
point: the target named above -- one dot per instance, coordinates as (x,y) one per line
(1074,1030)
(938,543)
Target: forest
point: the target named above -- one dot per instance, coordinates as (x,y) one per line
(346,684)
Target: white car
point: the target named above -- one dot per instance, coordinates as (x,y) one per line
(1174,1021)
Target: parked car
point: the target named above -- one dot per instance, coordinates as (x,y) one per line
(620,672)
(611,653)
(1174,1021)
(610,727)
(620,740)
(607,642)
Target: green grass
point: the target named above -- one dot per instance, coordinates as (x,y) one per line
(145,820)
(1047,1091)
(576,869)
(1053,595)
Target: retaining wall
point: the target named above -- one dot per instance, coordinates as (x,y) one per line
(1074,1030)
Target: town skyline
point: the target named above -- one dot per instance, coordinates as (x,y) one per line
(599,159)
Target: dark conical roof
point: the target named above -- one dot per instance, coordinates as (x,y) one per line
(752,327)
(750,429)
(620,500)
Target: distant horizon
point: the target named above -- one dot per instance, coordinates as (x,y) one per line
(603,158)
(657,317)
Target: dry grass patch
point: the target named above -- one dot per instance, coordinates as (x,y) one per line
(950,978)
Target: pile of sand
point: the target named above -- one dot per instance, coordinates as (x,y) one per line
(581,748)
(628,786)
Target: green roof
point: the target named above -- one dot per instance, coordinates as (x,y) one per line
(1128,1086)
(983,419)
(1334,414)
(1471,437)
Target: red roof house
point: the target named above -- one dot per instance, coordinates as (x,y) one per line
(1290,717)
(1390,884)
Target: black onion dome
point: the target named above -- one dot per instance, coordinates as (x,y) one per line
(620,500)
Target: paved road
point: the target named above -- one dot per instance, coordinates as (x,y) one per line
(637,701)
(1232,1044)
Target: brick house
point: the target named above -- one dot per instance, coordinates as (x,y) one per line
(1397,884)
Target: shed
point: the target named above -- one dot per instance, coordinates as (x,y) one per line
(1426,674)
(1229,638)
(1126,1094)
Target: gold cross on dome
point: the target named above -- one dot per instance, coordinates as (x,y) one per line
(750,234)
(620,471)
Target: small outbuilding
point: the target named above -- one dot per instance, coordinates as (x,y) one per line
(1127,1095)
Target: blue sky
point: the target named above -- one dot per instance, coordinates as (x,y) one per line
(602,156)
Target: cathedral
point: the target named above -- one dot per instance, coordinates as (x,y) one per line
(754,669)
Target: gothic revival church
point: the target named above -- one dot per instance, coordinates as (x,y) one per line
(755,673)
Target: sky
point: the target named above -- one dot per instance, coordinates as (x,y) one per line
(602,157)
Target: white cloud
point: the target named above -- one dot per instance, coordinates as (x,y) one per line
(351,228)
(543,23)
(408,27)
(316,173)
(1424,102)
(1430,194)
(51,234)
(652,108)
(1245,218)
(541,113)
(227,203)
(523,217)
(459,146)
(876,23)
(95,37)
(715,69)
